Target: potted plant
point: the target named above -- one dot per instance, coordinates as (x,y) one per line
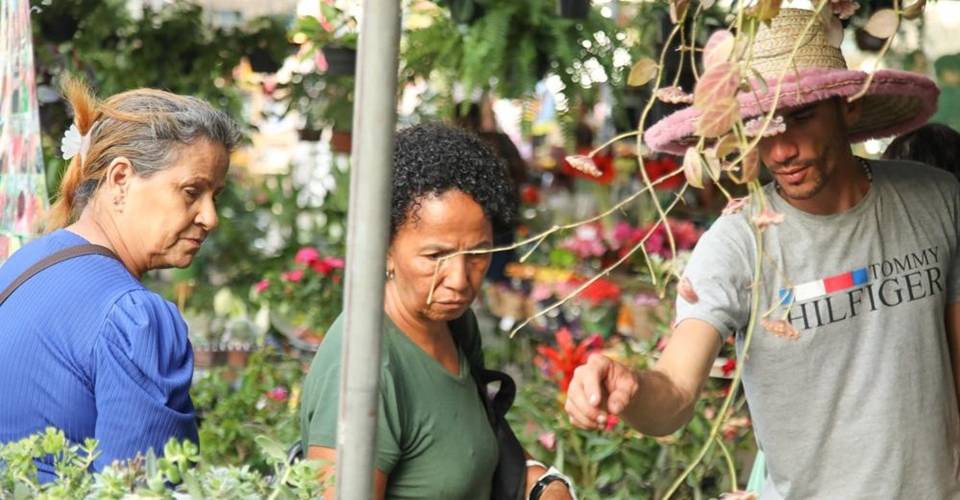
(265,43)
(305,299)
(324,95)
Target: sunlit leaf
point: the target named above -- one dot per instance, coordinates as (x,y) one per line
(716,83)
(718,118)
(693,167)
(750,168)
(766,10)
(718,48)
(914,10)
(642,72)
(584,164)
(712,163)
(883,23)
(678,10)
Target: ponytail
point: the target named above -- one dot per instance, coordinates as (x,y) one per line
(84,105)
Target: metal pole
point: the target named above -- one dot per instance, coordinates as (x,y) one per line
(367,234)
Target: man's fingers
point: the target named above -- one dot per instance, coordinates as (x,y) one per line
(591,377)
(581,412)
(622,389)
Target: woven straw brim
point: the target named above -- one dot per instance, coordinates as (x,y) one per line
(897,102)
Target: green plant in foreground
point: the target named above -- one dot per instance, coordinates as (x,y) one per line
(179,472)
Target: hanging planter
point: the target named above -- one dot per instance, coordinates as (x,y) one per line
(263,61)
(341,61)
(574,9)
(465,11)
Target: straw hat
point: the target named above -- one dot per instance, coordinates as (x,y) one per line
(896,102)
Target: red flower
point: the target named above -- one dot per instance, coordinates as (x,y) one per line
(601,291)
(292,276)
(729,367)
(612,421)
(307,256)
(656,169)
(326,265)
(562,361)
(530,194)
(262,286)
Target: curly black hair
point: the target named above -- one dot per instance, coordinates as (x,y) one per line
(431,159)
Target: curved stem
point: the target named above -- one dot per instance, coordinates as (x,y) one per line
(735,383)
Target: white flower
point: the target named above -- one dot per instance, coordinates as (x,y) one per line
(70,144)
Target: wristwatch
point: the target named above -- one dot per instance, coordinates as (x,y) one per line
(548,477)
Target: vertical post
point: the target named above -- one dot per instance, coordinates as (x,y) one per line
(367,237)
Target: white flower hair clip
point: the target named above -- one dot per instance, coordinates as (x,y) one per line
(73,143)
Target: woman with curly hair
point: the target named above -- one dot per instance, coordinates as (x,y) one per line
(434,439)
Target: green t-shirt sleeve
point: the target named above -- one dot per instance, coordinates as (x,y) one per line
(322,394)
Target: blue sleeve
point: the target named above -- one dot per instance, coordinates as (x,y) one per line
(144,366)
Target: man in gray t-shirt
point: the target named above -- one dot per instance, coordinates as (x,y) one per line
(853,394)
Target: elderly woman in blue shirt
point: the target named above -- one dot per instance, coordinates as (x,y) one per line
(84,346)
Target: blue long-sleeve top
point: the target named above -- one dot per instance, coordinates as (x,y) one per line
(85,348)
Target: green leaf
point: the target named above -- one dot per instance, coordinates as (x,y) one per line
(271,448)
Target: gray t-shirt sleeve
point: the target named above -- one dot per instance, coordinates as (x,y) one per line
(720,272)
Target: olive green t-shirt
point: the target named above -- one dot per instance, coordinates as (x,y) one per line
(433,436)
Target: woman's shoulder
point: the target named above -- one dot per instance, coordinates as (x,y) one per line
(90,276)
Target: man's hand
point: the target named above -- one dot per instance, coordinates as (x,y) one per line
(599,388)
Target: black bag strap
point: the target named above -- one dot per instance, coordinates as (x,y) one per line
(53,259)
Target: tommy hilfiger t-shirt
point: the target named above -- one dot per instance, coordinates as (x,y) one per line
(862,404)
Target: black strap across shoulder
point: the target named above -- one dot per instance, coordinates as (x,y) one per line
(53,259)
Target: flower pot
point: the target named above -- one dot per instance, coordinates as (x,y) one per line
(299,337)
(262,61)
(341,142)
(340,60)
(203,357)
(237,359)
(310,135)
(574,9)
(58,28)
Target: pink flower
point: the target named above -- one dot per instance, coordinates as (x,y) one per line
(767,218)
(262,286)
(780,328)
(548,440)
(754,127)
(292,276)
(735,205)
(307,256)
(686,292)
(586,242)
(278,394)
(674,95)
